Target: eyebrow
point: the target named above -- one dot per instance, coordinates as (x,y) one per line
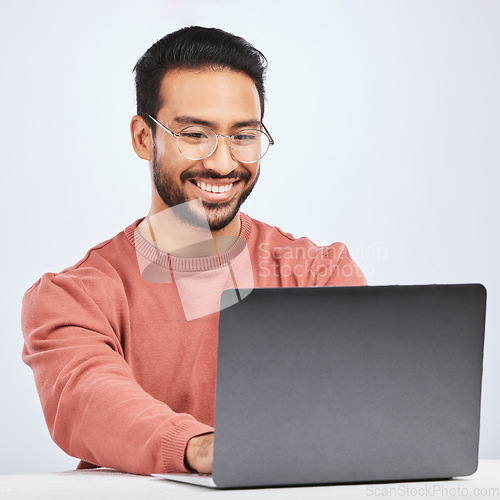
(190,120)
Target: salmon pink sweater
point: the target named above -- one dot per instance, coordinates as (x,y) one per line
(123,344)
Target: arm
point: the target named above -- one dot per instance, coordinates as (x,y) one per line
(333,266)
(94,408)
(347,272)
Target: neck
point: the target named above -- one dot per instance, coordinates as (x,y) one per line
(170,234)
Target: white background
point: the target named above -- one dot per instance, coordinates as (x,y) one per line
(386,116)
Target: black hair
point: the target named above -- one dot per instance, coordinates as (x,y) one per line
(194,47)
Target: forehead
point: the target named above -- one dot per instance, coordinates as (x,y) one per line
(219,95)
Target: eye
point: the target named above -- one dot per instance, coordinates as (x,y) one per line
(246,136)
(196,134)
(193,135)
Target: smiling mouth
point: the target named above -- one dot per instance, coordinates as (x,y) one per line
(221,187)
(214,188)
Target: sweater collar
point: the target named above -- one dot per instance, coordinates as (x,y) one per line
(186,264)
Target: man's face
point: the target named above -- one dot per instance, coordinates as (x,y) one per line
(226,101)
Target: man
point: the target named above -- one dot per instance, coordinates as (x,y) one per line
(123,344)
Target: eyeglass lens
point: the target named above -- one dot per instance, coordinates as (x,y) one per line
(198,142)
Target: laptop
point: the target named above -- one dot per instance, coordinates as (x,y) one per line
(347,385)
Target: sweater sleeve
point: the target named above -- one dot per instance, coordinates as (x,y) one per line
(94,408)
(334,266)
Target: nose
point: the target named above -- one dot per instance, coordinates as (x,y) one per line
(221,159)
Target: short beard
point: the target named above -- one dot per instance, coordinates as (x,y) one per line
(218,215)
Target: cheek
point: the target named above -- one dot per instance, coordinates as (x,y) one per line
(172,163)
(254,170)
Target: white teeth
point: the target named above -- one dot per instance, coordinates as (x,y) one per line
(214,189)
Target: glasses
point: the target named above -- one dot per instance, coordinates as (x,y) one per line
(198,142)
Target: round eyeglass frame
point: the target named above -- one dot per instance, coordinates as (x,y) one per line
(173,134)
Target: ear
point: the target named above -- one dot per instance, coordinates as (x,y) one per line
(142,140)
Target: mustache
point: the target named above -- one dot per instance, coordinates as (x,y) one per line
(210,174)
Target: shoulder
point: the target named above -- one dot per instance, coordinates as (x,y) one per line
(265,233)
(280,243)
(97,277)
(313,265)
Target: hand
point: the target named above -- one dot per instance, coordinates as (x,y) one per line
(200,453)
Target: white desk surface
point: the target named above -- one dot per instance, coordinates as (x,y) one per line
(109,484)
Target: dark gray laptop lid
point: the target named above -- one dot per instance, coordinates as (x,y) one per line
(348,384)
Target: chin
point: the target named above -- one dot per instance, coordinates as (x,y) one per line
(218,221)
